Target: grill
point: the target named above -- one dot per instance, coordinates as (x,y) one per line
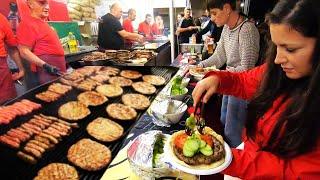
(14,168)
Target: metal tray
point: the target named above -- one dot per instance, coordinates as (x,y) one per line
(14,168)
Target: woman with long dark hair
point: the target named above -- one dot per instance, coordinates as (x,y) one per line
(281,139)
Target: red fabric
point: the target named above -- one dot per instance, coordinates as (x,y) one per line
(127,25)
(4,6)
(39,36)
(7,88)
(253,163)
(155,29)
(145,29)
(23,9)
(62,14)
(6,36)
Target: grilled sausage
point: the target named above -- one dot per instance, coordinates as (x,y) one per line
(9,142)
(32,151)
(26,157)
(44,141)
(33,146)
(52,133)
(50,137)
(39,143)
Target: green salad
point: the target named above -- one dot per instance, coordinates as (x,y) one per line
(158,151)
(177,87)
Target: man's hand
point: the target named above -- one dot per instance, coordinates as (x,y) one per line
(50,69)
(18,75)
(140,39)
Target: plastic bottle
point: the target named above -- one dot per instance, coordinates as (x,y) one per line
(194,39)
(72,43)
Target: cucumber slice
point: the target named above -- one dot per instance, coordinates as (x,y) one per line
(207,150)
(202,144)
(191,122)
(192,144)
(187,153)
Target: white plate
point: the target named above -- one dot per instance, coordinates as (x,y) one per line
(199,76)
(173,162)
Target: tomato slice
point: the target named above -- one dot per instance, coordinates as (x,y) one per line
(208,139)
(180,140)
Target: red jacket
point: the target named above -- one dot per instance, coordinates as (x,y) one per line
(252,162)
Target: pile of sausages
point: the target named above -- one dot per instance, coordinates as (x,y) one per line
(10,112)
(39,134)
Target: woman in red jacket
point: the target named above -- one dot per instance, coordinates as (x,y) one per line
(281,140)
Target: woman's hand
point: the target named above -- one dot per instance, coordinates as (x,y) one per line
(208,87)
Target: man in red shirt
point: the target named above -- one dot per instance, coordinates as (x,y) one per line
(127,23)
(145,27)
(39,43)
(8,42)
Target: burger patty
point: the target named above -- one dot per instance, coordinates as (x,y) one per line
(199,158)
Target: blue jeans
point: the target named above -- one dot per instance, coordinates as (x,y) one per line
(233,116)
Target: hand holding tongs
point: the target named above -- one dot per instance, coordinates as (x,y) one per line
(199,115)
(52,70)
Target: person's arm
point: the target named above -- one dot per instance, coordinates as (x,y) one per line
(248,47)
(27,54)
(205,29)
(242,85)
(181,29)
(219,57)
(131,36)
(265,165)
(11,46)
(14,54)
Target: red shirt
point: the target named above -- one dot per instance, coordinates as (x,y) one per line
(6,36)
(146,29)
(127,25)
(252,162)
(39,36)
(155,29)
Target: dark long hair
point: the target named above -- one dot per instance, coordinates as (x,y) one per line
(298,128)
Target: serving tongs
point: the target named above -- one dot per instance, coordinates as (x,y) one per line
(199,113)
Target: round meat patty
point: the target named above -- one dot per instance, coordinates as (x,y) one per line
(130,74)
(120,81)
(105,130)
(73,110)
(136,101)
(109,71)
(89,155)
(154,80)
(57,171)
(92,98)
(144,88)
(121,112)
(110,90)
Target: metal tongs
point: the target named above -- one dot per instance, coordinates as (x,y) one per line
(199,113)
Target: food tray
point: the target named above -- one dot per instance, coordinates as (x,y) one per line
(14,168)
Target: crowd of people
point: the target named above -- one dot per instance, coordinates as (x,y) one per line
(114,35)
